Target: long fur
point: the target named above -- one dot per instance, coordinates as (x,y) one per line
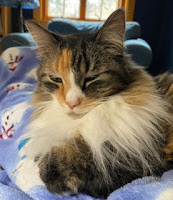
(130,129)
(120,121)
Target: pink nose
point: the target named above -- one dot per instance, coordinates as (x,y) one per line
(72,105)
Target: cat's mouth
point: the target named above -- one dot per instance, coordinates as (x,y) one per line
(76,112)
(75,115)
(81,110)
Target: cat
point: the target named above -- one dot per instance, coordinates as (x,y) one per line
(102,120)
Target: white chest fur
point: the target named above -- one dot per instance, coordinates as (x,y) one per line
(126,127)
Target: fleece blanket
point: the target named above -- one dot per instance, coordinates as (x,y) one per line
(19,179)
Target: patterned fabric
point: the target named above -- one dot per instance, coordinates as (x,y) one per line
(17,81)
(26,4)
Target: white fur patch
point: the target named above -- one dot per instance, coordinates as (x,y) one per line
(51,128)
(75,92)
(27,174)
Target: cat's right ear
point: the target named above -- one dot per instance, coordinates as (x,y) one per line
(44,39)
(113,30)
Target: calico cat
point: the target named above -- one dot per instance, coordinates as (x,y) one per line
(102,121)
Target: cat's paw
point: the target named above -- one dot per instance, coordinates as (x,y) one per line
(56,173)
(67,169)
(71,169)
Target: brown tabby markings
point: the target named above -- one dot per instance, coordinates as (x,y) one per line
(138,93)
(73,152)
(169,149)
(165,85)
(63,67)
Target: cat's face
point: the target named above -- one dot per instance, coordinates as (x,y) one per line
(81,71)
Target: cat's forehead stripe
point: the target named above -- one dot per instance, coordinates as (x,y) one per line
(63,68)
(64,62)
(68,90)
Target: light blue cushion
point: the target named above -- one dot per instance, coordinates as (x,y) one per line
(140,51)
(133,30)
(66,26)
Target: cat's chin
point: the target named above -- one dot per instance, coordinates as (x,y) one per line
(75,115)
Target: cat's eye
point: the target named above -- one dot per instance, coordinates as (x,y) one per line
(55,79)
(91,78)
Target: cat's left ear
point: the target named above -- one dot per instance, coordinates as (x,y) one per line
(45,40)
(112,32)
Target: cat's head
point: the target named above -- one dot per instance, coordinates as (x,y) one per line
(80,71)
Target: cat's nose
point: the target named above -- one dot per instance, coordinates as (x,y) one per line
(72,105)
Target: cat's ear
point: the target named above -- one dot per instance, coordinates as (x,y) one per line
(112,32)
(44,39)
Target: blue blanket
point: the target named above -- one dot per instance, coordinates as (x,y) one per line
(17,82)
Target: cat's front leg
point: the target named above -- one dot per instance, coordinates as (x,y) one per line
(71,168)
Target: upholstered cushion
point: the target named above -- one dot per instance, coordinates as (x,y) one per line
(133,30)
(66,26)
(140,51)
